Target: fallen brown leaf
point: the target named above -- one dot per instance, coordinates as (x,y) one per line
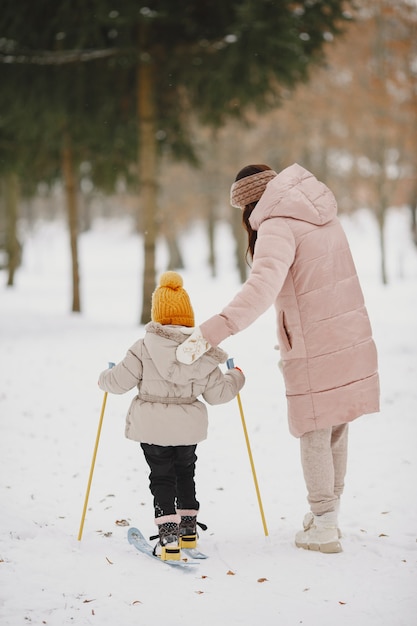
(87,601)
(262,580)
(108,561)
(340,602)
(199,592)
(136,602)
(122,522)
(230,573)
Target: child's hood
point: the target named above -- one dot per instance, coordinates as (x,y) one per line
(161,342)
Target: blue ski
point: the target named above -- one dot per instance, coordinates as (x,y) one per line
(137,540)
(194,553)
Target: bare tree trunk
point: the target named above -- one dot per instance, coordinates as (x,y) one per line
(147,163)
(70,184)
(175,260)
(381,224)
(13,247)
(241,243)
(413,209)
(380,215)
(211,223)
(211,185)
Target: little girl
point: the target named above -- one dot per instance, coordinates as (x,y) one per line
(166,416)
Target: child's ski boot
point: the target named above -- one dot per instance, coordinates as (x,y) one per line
(168,548)
(188,531)
(188,534)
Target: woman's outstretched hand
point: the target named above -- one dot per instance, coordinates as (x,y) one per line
(192,348)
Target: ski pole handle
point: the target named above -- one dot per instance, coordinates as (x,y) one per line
(230,363)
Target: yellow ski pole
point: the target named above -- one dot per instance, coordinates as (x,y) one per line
(93,462)
(230,365)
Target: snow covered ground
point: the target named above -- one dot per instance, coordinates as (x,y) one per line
(49,412)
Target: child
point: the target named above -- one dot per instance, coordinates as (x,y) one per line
(165,416)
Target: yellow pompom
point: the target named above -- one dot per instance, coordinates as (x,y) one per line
(172,280)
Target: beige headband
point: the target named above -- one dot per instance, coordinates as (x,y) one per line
(250,188)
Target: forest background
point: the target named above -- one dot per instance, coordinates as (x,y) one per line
(150,109)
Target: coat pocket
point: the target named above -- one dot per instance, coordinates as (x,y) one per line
(284,334)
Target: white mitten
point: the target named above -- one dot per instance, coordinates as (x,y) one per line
(192,348)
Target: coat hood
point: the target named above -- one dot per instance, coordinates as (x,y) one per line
(161,341)
(295,192)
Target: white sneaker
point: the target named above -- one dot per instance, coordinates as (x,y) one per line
(321,534)
(309,520)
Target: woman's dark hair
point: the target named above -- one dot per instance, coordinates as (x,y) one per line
(247,211)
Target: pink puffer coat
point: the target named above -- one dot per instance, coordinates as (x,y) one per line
(303,264)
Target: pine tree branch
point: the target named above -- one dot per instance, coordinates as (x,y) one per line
(64,57)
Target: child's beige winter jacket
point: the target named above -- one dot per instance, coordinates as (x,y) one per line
(166,410)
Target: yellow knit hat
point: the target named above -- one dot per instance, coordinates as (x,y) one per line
(170,302)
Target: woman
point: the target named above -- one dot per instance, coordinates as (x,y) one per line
(301,262)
